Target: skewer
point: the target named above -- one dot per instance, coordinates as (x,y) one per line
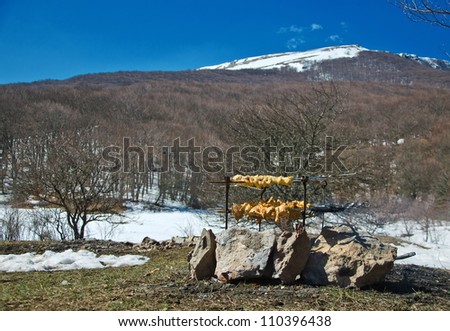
(228,181)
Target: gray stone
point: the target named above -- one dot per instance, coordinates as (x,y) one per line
(291,255)
(184,241)
(341,255)
(148,242)
(203,260)
(244,254)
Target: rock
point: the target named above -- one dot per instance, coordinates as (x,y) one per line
(244,254)
(149,242)
(177,240)
(184,241)
(342,256)
(203,260)
(291,255)
(191,241)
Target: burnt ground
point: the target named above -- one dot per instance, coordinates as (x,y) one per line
(410,278)
(164,284)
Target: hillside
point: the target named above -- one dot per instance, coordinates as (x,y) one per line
(383,99)
(340,63)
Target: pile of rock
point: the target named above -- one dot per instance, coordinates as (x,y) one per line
(339,255)
(175,242)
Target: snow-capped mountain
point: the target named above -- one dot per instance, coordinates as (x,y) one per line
(304,61)
(299,61)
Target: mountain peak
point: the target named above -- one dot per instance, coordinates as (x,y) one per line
(306,60)
(299,61)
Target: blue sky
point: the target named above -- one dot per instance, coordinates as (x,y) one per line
(57,39)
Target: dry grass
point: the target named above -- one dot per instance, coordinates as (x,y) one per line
(164,284)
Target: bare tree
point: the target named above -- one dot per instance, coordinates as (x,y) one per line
(11,225)
(294,121)
(71,178)
(11,121)
(48,224)
(435,12)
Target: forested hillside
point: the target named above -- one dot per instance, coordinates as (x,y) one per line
(394,138)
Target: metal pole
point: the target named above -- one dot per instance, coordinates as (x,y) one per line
(227,192)
(304,180)
(324,184)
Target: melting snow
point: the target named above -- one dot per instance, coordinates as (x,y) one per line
(67,260)
(432,250)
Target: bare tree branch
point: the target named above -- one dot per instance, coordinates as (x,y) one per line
(435,12)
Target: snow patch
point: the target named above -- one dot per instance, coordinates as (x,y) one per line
(159,225)
(432,249)
(67,260)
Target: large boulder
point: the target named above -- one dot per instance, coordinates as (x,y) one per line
(203,259)
(341,255)
(290,255)
(244,254)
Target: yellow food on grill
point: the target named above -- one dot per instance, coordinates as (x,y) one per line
(262,181)
(274,210)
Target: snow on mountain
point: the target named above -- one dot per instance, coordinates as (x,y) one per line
(300,61)
(303,61)
(428,61)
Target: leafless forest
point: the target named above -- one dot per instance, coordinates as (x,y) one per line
(394,137)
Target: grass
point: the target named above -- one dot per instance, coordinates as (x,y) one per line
(163,283)
(95,289)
